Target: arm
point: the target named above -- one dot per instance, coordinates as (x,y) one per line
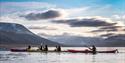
(89,48)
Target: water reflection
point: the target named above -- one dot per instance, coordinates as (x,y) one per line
(11,56)
(37,57)
(94,58)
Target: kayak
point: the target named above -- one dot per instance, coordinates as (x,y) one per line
(18,50)
(70,50)
(88,51)
(24,50)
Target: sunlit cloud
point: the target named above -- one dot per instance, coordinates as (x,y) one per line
(43,28)
(45,15)
(87,22)
(119,18)
(110,29)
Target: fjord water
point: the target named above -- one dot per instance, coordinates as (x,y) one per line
(38,57)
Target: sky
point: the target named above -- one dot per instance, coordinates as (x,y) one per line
(50,18)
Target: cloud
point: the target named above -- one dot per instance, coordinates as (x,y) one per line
(88,22)
(43,15)
(119,18)
(42,28)
(110,29)
(12,7)
(107,35)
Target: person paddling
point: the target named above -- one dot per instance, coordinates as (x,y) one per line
(93,49)
(46,48)
(41,47)
(117,50)
(29,47)
(58,48)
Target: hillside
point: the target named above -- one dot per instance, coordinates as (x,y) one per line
(12,34)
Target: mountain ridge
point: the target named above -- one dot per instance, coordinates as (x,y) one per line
(12,33)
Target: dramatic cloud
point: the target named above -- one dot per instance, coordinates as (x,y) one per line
(110,28)
(88,22)
(44,15)
(107,35)
(42,28)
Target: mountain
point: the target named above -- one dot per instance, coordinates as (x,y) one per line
(12,34)
(77,40)
(116,40)
(111,41)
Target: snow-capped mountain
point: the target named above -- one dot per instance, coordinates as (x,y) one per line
(16,34)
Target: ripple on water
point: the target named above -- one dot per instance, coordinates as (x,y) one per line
(33,57)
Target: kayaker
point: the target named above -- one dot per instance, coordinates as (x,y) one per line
(93,49)
(117,50)
(29,47)
(58,48)
(41,47)
(46,48)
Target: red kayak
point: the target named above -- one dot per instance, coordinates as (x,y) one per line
(88,51)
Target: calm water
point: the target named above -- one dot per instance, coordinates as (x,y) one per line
(37,57)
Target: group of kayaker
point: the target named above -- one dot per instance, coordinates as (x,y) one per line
(45,48)
(58,48)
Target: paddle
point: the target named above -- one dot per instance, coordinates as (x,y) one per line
(87,47)
(41,44)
